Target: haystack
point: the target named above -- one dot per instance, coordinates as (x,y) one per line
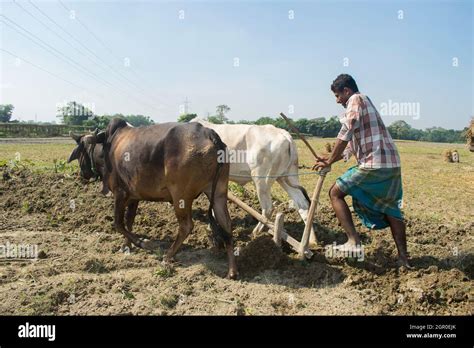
(455,156)
(447,155)
(328,147)
(470,136)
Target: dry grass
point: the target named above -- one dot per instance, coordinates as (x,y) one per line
(433,189)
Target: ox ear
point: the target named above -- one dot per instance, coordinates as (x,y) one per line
(101,137)
(76,137)
(74,154)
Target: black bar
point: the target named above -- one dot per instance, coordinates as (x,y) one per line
(242,330)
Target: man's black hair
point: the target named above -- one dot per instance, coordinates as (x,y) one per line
(344,80)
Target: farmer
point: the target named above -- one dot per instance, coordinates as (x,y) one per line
(375,184)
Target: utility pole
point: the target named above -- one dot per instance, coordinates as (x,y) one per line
(186,103)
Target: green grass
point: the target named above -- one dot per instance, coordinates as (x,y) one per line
(41,154)
(164,271)
(39,157)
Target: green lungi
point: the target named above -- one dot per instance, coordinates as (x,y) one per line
(375,194)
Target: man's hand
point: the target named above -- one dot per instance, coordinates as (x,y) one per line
(336,155)
(322,163)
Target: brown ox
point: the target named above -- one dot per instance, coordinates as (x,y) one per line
(169,162)
(89,156)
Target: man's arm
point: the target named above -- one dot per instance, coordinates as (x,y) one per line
(353,111)
(336,155)
(337,152)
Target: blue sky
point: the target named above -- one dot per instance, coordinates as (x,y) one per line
(283,64)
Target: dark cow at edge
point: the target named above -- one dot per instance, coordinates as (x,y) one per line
(170,162)
(90,158)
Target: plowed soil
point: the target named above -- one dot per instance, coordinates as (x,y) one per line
(81,270)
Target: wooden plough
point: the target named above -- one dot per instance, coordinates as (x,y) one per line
(276,228)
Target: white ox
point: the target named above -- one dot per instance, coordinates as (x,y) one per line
(263,154)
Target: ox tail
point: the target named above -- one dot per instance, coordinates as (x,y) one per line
(294,162)
(220,237)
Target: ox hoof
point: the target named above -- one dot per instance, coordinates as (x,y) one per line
(233,275)
(167,263)
(404,263)
(256,234)
(148,244)
(126,249)
(258,230)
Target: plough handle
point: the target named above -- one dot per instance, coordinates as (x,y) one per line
(309,219)
(293,127)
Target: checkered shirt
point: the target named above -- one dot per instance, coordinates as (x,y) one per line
(368,138)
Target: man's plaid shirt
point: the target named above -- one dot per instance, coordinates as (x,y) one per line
(368,138)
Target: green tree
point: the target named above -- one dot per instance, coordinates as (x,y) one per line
(303,125)
(221,111)
(100,122)
(264,120)
(331,127)
(6,111)
(316,126)
(139,120)
(281,123)
(215,119)
(402,130)
(243,122)
(186,117)
(415,134)
(399,130)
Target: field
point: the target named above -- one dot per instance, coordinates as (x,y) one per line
(80,269)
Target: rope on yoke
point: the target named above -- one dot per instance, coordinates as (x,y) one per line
(276,176)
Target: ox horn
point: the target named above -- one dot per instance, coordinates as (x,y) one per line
(94,138)
(74,136)
(90,139)
(95,132)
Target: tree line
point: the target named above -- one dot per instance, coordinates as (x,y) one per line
(75,114)
(329,128)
